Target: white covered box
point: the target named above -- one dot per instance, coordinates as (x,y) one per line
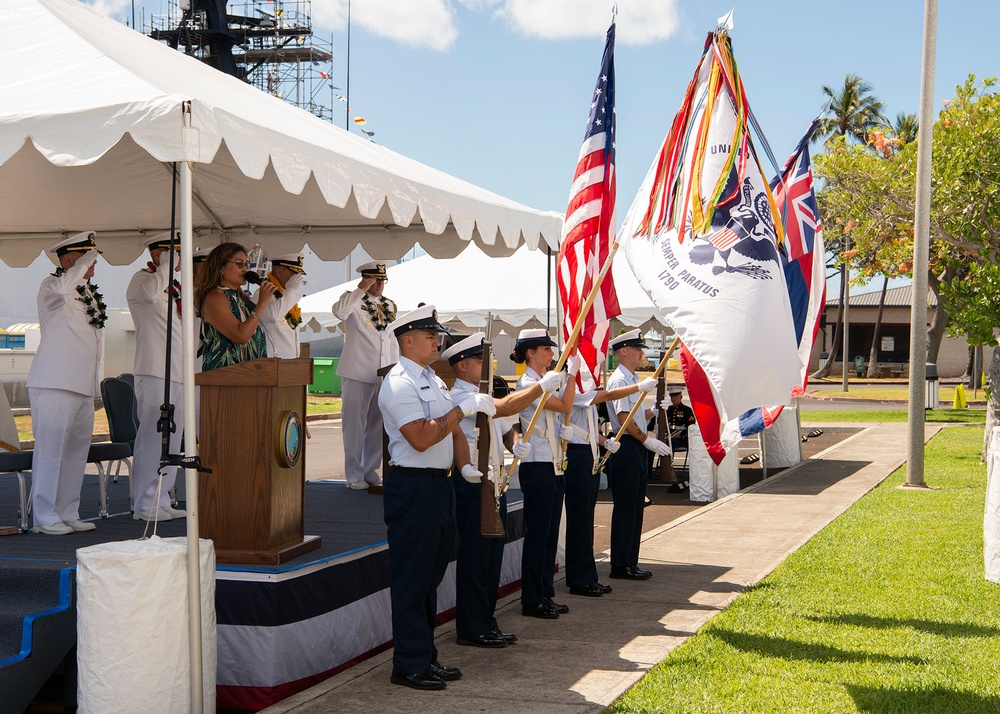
(702,480)
(991,517)
(782,442)
(133,650)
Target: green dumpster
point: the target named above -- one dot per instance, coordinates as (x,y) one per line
(325,379)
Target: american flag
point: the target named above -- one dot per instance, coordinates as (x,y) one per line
(590,226)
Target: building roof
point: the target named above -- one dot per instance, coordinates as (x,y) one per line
(894,297)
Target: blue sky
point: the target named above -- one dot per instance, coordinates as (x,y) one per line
(496,92)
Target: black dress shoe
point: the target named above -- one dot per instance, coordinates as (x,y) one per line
(447,674)
(556,607)
(425,681)
(630,572)
(541,611)
(589,591)
(490,641)
(507,637)
(605,589)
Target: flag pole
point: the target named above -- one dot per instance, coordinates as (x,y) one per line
(567,348)
(642,395)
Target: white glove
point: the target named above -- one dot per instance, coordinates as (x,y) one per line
(521,449)
(552,382)
(659,405)
(573,365)
(491,474)
(478,403)
(295,282)
(647,385)
(565,432)
(612,445)
(656,446)
(471,474)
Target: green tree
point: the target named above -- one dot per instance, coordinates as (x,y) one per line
(905,127)
(874,194)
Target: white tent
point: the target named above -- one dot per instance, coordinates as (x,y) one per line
(94,115)
(472,288)
(94,112)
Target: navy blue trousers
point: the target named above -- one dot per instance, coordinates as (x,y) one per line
(627,473)
(581,499)
(543,501)
(477,571)
(420,520)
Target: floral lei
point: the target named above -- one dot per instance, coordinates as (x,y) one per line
(381,313)
(94,303)
(294,316)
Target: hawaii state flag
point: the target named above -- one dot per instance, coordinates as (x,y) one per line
(589,228)
(704,238)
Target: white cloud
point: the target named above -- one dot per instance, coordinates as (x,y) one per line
(114,9)
(422,23)
(639,21)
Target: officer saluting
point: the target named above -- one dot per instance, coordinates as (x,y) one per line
(282,316)
(425,443)
(62,383)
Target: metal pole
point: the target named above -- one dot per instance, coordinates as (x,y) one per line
(921,249)
(762,445)
(798,427)
(190,441)
(846,356)
(347,113)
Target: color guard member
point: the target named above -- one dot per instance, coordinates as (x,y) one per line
(149,302)
(368,346)
(541,482)
(628,470)
(426,444)
(477,570)
(582,485)
(62,383)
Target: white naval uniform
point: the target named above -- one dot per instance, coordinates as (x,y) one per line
(583,421)
(366,350)
(63,380)
(282,339)
(148,301)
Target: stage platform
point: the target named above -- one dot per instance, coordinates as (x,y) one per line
(281,629)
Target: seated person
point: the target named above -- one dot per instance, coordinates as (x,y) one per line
(679,417)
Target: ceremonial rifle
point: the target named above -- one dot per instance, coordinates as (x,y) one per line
(490,523)
(666,462)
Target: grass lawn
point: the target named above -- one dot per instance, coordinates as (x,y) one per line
(947,416)
(885,610)
(890,392)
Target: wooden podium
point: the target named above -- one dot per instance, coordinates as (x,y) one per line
(252,436)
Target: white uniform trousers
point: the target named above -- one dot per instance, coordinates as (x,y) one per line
(361,422)
(146,454)
(63,424)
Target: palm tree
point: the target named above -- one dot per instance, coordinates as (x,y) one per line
(854,111)
(905,128)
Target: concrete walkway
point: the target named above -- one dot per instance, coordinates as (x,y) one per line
(585,660)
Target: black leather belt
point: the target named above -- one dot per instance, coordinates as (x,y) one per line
(413,471)
(578,446)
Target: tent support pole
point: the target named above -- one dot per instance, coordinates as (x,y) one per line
(190,443)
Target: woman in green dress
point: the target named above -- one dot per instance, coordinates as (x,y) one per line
(230,330)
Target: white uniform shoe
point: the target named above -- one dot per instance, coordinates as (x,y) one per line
(154,514)
(57,528)
(174,513)
(80,526)
(359,486)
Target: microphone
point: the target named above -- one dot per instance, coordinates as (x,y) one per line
(254,279)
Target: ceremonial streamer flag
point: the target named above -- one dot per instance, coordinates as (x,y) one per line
(589,227)
(703,237)
(804,266)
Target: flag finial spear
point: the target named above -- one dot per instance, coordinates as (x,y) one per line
(725,23)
